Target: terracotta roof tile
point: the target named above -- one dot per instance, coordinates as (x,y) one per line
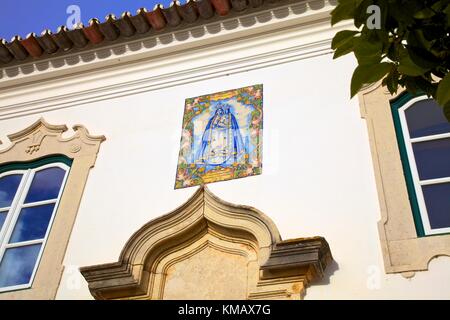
(114,28)
(109,29)
(188,12)
(239,5)
(47,43)
(171,15)
(140,22)
(16,48)
(32,46)
(125,25)
(5,55)
(92,32)
(77,36)
(222,6)
(205,8)
(156,18)
(62,39)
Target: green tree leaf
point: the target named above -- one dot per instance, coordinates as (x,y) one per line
(391,81)
(424,14)
(426,86)
(344,49)
(440,5)
(367,74)
(342,37)
(443,91)
(368,49)
(411,48)
(409,68)
(422,58)
(360,13)
(344,10)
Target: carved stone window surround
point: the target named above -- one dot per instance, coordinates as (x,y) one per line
(403,251)
(39,141)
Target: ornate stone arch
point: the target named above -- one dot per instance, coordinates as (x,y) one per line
(210,249)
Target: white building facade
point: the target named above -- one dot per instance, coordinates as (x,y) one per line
(327,171)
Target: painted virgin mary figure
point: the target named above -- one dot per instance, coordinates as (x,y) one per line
(221,142)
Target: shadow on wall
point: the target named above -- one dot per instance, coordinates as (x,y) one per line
(330,270)
(439,261)
(169,36)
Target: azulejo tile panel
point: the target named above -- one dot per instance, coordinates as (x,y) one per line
(221,137)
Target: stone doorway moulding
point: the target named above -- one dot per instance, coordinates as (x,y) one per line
(210,249)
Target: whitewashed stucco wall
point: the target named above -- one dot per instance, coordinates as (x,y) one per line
(317,176)
(317,169)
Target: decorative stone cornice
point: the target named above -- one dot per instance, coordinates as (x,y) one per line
(291,256)
(41,123)
(276,267)
(26,144)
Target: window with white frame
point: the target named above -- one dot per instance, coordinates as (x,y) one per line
(29,197)
(424,140)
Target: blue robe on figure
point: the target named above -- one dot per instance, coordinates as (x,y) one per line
(221,142)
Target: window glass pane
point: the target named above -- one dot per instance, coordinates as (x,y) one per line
(433,158)
(17,265)
(426,118)
(437,200)
(8,189)
(46,185)
(2,218)
(32,223)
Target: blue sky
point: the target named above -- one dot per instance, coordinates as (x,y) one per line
(24,16)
